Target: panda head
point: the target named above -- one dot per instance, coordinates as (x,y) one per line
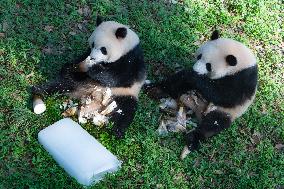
(221,57)
(110,41)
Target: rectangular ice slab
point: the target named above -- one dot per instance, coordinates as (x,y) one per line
(79,153)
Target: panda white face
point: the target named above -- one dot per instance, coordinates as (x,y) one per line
(98,54)
(221,57)
(110,41)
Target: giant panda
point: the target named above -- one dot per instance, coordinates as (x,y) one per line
(114,60)
(219,88)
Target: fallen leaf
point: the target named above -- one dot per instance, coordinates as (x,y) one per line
(196,162)
(2,34)
(279,146)
(30,75)
(252,174)
(80,11)
(184,152)
(72,33)
(200,41)
(159,186)
(48,28)
(80,26)
(5,26)
(179,176)
(173,2)
(218,172)
(256,137)
(86,11)
(47,50)
(18,5)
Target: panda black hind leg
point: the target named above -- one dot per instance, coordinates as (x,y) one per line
(59,86)
(212,123)
(69,76)
(122,118)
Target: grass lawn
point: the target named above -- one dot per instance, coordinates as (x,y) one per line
(37,37)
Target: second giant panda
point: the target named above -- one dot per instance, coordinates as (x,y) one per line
(114,60)
(219,88)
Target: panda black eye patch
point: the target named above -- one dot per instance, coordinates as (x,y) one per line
(231,60)
(93,45)
(208,67)
(199,57)
(104,51)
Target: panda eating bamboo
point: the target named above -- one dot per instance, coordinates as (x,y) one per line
(114,61)
(219,88)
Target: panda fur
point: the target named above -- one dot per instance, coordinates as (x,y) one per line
(225,76)
(115,61)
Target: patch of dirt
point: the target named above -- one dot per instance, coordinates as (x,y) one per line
(159,68)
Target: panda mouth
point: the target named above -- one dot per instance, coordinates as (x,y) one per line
(209,74)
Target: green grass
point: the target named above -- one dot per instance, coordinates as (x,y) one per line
(40,36)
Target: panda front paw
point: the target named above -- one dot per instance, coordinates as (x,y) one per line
(192,140)
(154,91)
(192,143)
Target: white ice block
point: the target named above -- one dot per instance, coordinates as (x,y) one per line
(79,153)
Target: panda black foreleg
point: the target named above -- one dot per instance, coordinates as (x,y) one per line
(174,85)
(212,123)
(122,119)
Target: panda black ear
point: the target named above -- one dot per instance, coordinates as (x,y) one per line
(215,35)
(99,20)
(231,60)
(121,32)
